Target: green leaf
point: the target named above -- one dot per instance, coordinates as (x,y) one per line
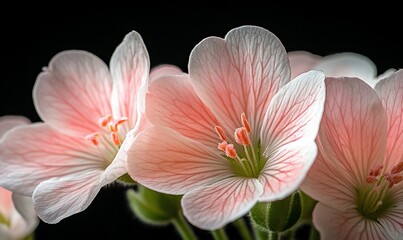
(153,207)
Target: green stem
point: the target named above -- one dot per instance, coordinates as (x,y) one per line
(273,236)
(183,227)
(260,233)
(219,234)
(243,229)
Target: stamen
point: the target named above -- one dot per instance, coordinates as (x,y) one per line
(220,133)
(376,171)
(222,146)
(398,168)
(230,151)
(241,136)
(115,138)
(105,120)
(393,179)
(93,138)
(245,122)
(371,179)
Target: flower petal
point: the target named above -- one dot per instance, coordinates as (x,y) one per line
(61,197)
(333,224)
(185,113)
(73,92)
(212,207)
(302,61)
(163,70)
(165,161)
(347,64)
(390,91)
(240,73)
(352,134)
(6,203)
(130,67)
(327,184)
(9,122)
(285,169)
(25,208)
(294,113)
(32,154)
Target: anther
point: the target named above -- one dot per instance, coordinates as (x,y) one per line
(376,171)
(242,136)
(115,138)
(222,146)
(93,138)
(105,120)
(220,133)
(245,122)
(398,168)
(230,151)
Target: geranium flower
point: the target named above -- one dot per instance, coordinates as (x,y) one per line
(234,131)
(345,64)
(17,216)
(91,115)
(357,177)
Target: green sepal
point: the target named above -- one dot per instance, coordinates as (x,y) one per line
(126,180)
(153,207)
(259,216)
(283,214)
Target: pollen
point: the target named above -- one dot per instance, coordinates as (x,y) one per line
(220,133)
(93,137)
(242,136)
(245,122)
(230,151)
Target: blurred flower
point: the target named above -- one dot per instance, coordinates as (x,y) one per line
(17,216)
(346,64)
(357,177)
(238,95)
(91,115)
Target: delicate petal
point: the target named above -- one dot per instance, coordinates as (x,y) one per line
(25,208)
(163,70)
(118,167)
(185,113)
(9,122)
(294,113)
(352,135)
(61,197)
(302,61)
(6,203)
(165,161)
(212,207)
(240,73)
(130,66)
(73,92)
(390,91)
(327,184)
(285,169)
(44,153)
(347,225)
(392,222)
(347,64)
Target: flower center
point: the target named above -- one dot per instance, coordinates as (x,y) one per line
(108,139)
(375,199)
(245,158)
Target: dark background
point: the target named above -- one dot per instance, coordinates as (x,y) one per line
(31,38)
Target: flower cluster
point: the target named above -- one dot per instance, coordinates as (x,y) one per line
(288,139)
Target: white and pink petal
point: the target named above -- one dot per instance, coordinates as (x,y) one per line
(44,153)
(239,74)
(165,161)
(60,197)
(185,113)
(9,122)
(212,207)
(302,61)
(74,92)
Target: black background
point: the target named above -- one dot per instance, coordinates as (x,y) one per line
(31,38)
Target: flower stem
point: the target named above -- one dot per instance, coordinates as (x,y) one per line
(183,227)
(273,235)
(313,233)
(259,233)
(243,229)
(219,234)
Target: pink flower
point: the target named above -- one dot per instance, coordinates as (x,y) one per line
(346,64)
(91,115)
(357,177)
(17,216)
(234,131)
